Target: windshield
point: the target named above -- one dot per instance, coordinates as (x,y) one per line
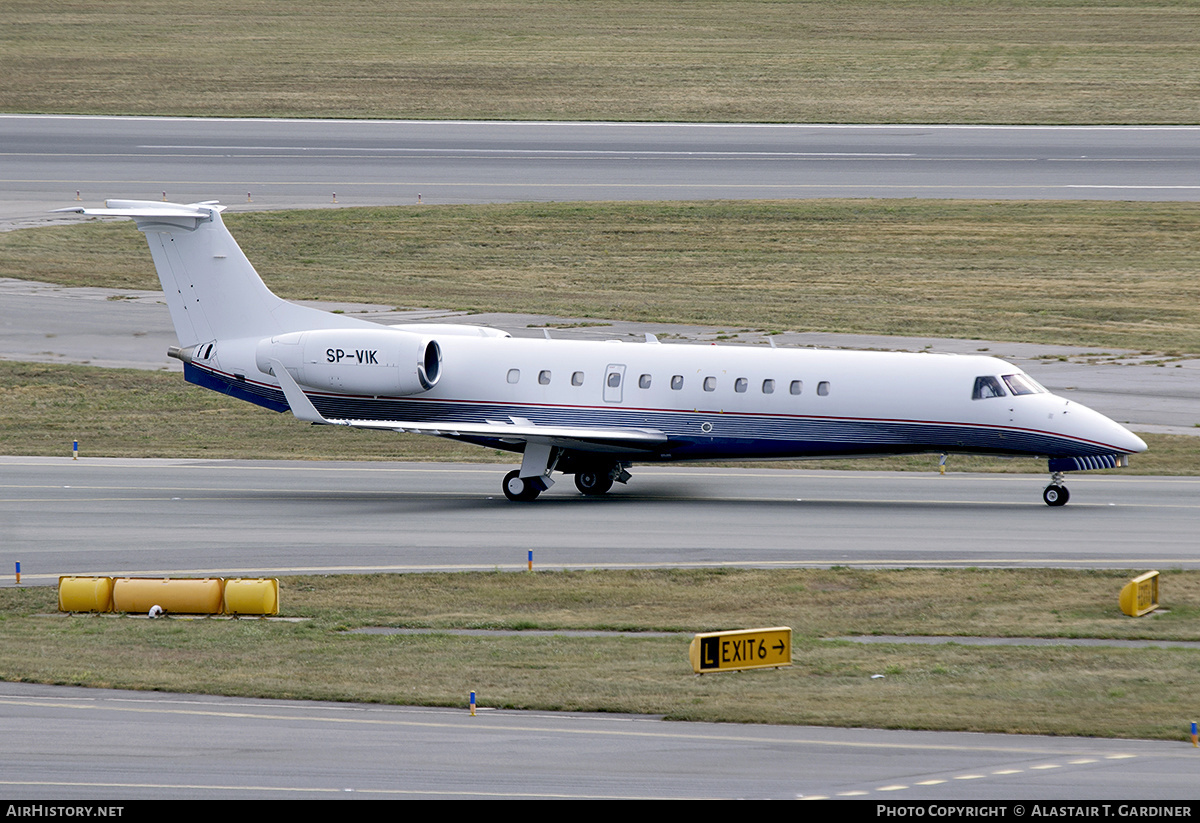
(1022,384)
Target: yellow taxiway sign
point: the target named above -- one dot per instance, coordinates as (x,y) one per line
(742,649)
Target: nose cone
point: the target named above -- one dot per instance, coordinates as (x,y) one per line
(1123,440)
(1137,444)
(1094,427)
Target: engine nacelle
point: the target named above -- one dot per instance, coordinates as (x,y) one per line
(355,361)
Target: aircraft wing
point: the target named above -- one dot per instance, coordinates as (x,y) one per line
(583,438)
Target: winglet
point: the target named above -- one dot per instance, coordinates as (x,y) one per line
(301,406)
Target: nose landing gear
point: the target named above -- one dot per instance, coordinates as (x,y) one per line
(1056,493)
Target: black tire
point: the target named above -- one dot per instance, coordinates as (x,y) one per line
(518,490)
(1056,495)
(593,483)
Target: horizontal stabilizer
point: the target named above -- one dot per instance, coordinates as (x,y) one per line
(146,209)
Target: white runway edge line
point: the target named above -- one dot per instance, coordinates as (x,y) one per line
(567,152)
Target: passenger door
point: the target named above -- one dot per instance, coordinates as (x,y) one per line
(614,377)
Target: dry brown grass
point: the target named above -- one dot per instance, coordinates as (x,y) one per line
(1082,272)
(1104,691)
(857,61)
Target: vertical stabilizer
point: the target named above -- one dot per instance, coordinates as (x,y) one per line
(212,290)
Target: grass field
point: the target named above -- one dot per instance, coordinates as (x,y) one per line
(851,61)
(1102,691)
(1083,272)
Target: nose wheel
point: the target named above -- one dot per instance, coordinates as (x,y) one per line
(1056,495)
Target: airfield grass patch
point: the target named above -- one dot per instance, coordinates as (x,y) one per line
(1102,691)
(133,413)
(853,61)
(1089,273)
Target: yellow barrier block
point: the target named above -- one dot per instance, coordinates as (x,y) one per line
(1140,595)
(742,649)
(138,594)
(85,594)
(252,596)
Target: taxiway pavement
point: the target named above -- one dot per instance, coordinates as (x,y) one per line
(175,746)
(304,163)
(212,517)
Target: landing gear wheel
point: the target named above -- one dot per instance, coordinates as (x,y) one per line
(593,483)
(1056,495)
(518,489)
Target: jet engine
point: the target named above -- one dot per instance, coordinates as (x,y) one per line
(376,362)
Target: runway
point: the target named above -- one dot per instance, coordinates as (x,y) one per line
(151,745)
(304,163)
(196,517)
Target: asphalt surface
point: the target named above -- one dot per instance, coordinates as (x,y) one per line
(96,744)
(276,164)
(233,517)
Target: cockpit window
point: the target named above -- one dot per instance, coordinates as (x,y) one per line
(987,386)
(1022,384)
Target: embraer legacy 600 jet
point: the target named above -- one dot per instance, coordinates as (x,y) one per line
(593,409)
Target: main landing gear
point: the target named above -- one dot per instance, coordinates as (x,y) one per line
(593,482)
(522,489)
(592,479)
(1056,493)
(526,483)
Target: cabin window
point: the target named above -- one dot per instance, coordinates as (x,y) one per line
(544,377)
(710,384)
(796,387)
(514,375)
(1020,384)
(740,385)
(614,379)
(985,387)
(644,381)
(768,386)
(577,379)
(823,388)
(676,382)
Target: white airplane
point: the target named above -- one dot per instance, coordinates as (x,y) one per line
(592,409)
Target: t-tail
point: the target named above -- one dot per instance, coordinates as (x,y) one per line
(212,290)
(232,328)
